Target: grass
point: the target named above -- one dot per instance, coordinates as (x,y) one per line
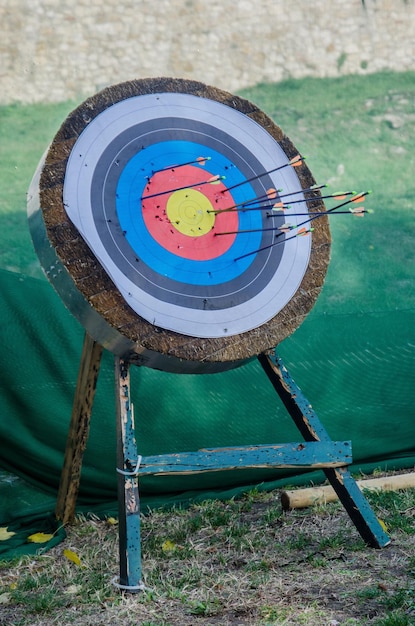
(358,134)
(240,562)
(25,133)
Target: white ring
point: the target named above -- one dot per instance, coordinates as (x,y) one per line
(121,116)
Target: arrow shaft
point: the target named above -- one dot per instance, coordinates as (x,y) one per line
(163,193)
(292,162)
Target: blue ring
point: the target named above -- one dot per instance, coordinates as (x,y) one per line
(130,189)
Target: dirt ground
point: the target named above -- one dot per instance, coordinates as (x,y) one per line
(240,563)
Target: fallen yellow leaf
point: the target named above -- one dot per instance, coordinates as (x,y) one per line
(112,521)
(382,523)
(72,556)
(39,537)
(5,534)
(168,546)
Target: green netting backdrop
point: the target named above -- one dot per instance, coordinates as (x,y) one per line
(353,357)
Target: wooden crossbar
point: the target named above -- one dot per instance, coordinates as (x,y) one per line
(311,455)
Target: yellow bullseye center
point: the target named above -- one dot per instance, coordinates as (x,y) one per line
(188,211)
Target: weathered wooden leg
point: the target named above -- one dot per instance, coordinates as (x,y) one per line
(128,463)
(78,429)
(312,429)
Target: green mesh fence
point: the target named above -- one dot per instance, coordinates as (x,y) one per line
(360,388)
(353,357)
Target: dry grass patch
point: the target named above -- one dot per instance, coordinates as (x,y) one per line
(235,563)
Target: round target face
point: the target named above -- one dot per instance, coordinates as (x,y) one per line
(174,194)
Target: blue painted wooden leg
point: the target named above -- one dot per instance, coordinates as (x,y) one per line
(128,463)
(312,429)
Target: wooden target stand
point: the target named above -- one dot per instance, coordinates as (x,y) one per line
(317,451)
(157,216)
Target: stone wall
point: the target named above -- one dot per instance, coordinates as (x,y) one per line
(55,50)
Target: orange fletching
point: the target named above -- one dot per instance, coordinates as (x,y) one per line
(296,161)
(358,211)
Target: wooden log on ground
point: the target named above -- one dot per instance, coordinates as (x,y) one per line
(302,498)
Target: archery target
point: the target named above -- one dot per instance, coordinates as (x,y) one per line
(156,185)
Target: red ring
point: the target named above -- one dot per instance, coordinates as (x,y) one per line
(201,248)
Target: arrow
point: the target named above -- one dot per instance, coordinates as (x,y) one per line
(294,162)
(213,180)
(358,211)
(281,205)
(199,160)
(301,233)
(270,194)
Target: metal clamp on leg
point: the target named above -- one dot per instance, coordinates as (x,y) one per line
(131,588)
(133,472)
